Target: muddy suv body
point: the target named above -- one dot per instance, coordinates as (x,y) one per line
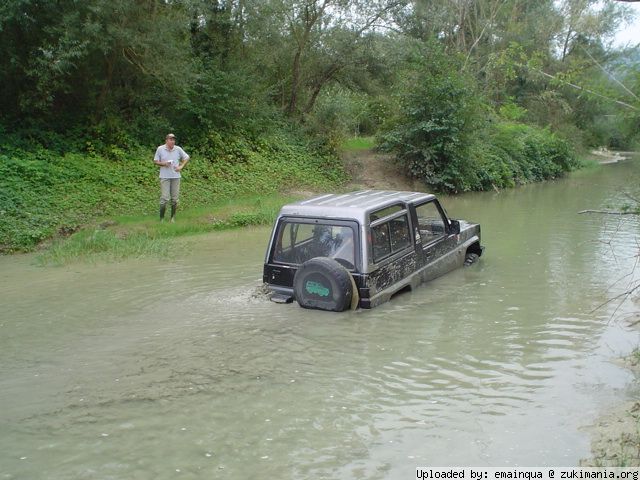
(358,249)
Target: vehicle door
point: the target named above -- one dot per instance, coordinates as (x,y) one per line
(393,256)
(436,240)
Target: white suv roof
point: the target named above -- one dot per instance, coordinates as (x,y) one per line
(351,206)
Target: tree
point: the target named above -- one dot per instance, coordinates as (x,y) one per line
(441,114)
(320,39)
(79,60)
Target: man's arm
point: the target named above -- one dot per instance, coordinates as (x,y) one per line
(183,161)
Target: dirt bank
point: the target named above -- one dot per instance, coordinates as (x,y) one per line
(616,435)
(376,171)
(370,170)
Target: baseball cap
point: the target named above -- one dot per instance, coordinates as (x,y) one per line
(171,135)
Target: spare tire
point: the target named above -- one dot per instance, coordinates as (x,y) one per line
(323,284)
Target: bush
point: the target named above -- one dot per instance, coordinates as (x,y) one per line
(440,113)
(445,136)
(514,153)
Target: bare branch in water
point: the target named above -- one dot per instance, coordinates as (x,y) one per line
(607,212)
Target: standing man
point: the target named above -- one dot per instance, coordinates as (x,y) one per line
(171,159)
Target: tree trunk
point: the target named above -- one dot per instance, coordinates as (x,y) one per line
(104,91)
(319,85)
(309,20)
(295,81)
(565,47)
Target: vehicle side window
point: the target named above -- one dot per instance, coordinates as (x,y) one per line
(384,212)
(380,239)
(430,222)
(400,237)
(390,237)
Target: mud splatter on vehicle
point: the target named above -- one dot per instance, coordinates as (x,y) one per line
(367,244)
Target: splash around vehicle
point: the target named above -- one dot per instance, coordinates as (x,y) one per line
(340,251)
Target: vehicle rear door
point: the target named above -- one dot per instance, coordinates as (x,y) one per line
(295,241)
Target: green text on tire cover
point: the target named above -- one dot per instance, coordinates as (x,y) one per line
(317,288)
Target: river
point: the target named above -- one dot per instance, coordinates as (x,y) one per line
(177,369)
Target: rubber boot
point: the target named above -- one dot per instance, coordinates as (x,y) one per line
(174,207)
(163,208)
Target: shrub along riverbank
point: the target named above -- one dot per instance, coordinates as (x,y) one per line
(102,202)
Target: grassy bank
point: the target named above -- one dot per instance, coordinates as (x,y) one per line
(122,237)
(47,194)
(102,203)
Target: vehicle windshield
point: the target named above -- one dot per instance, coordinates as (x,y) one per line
(298,242)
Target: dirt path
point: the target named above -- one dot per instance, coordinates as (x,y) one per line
(370,170)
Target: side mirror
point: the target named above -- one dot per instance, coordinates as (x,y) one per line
(454,227)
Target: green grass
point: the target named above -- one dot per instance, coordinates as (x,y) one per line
(123,237)
(588,163)
(358,143)
(103,245)
(46,194)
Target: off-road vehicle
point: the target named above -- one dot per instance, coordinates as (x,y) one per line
(340,251)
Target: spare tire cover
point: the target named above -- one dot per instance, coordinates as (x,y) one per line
(323,284)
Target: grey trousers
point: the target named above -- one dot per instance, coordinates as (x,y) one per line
(169,189)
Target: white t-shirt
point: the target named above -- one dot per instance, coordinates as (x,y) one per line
(175,155)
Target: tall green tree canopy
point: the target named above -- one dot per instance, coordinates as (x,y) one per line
(229,64)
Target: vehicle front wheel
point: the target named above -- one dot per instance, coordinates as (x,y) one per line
(322,283)
(470,259)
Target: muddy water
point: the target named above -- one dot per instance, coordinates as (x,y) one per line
(176,369)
